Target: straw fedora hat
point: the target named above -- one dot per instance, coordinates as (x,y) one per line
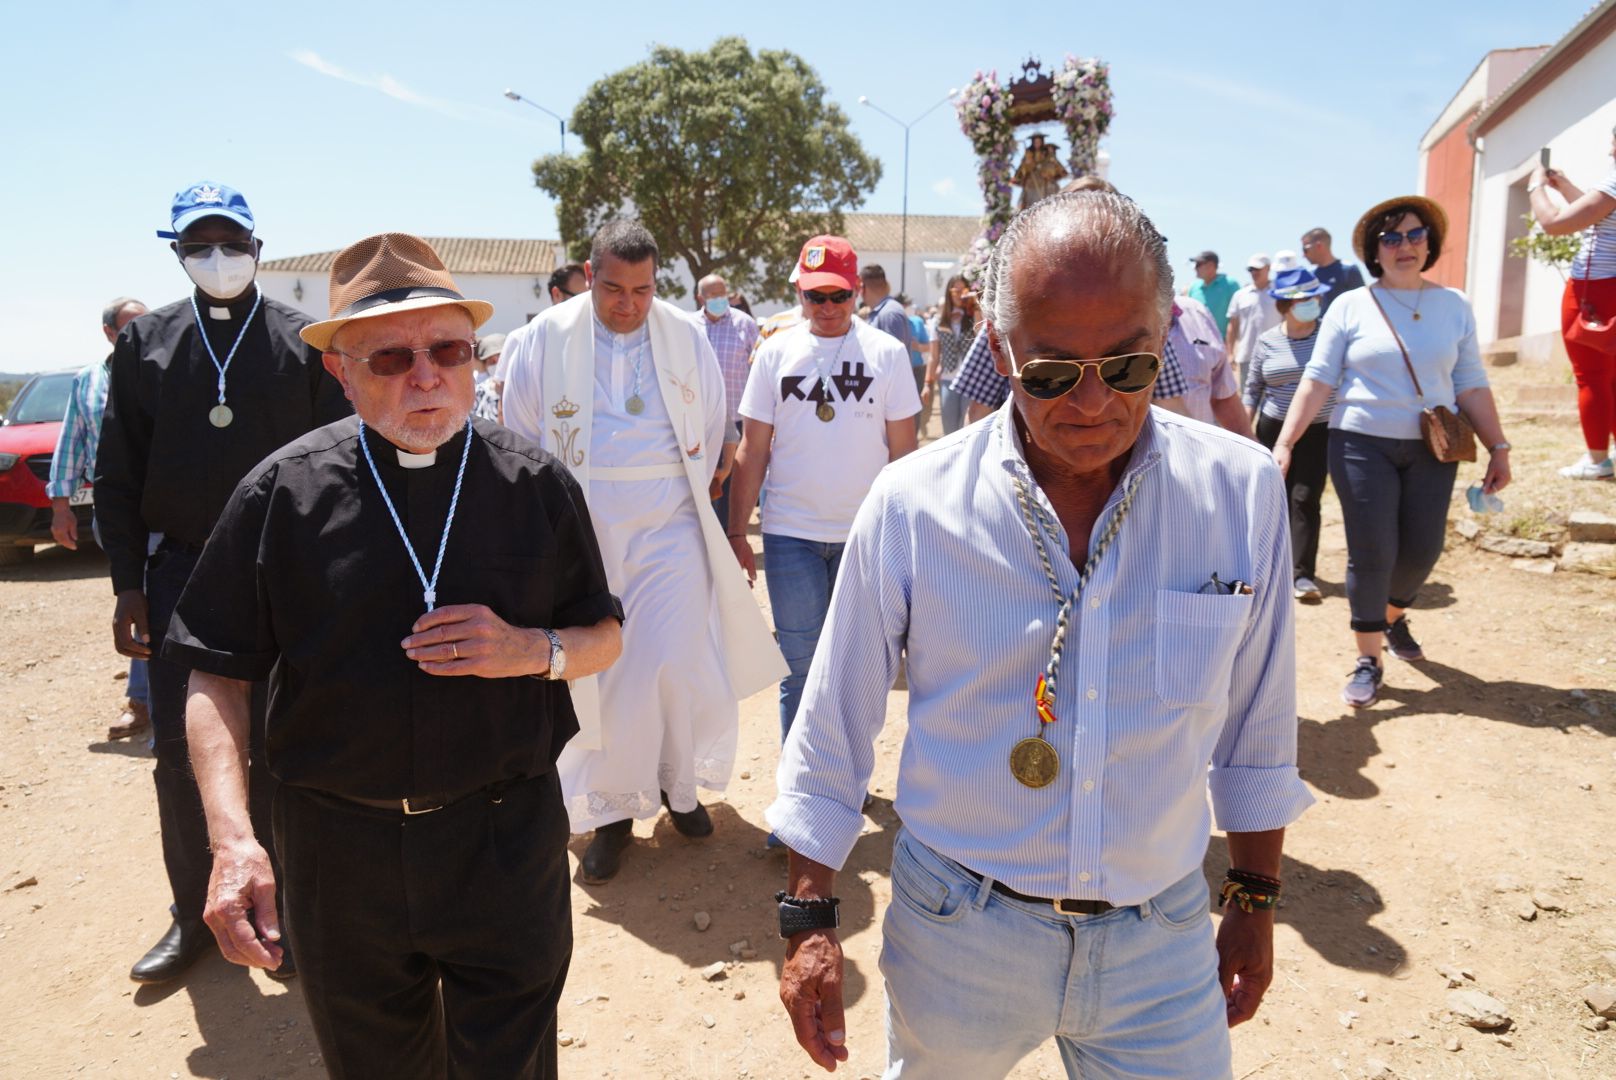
(1435,218)
(384,275)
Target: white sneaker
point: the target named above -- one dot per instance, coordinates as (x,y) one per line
(1587,469)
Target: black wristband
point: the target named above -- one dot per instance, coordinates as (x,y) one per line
(799,913)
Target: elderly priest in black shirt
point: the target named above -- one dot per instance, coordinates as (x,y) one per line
(416,585)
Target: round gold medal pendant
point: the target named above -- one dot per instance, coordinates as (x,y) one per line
(635,405)
(1034,762)
(220,416)
(826,411)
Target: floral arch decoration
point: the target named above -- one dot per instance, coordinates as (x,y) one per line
(1078,95)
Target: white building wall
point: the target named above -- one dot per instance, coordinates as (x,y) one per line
(1573,116)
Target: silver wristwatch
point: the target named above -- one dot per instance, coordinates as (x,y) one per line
(558,656)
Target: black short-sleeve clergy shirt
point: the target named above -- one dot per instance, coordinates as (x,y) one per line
(305,580)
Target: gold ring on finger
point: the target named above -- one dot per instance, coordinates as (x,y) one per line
(455,648)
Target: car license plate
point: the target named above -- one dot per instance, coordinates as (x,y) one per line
(82,497)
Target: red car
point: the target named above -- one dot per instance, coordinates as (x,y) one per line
(27,444)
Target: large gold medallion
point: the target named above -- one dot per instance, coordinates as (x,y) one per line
(1034,762)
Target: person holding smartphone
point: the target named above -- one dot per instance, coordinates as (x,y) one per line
(1590,296)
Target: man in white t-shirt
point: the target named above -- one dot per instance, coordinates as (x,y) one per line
(827,405)
(1251,312)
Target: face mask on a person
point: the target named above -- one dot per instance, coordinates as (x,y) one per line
(1305,310)
(717,305)
(220,275)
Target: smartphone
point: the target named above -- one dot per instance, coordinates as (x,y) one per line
(1543,157)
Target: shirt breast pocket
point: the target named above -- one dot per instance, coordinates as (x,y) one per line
(1196,638)
(518,588)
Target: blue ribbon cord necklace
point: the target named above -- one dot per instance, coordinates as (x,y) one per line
(429,587)
(220,415)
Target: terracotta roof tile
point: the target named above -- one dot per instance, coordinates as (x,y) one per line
(460,254)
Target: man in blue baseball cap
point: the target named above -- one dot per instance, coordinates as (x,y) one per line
(200,391)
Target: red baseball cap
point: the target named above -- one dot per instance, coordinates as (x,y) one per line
(827,262)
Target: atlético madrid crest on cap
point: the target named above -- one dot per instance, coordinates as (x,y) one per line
(206,193)
(813,258)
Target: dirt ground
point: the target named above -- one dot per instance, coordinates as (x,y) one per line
(1485,779)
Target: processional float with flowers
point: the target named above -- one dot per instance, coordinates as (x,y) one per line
(1078,95)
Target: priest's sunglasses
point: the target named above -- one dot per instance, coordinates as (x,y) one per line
(397,359)
(194,249)
(1047,380)
(840,296)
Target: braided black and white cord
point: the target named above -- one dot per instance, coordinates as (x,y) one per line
(1037,520)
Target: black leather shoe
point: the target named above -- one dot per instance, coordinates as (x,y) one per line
(186,940)
(692,823)
(604,855)
(288,969)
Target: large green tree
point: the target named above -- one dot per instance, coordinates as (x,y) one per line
(731,159)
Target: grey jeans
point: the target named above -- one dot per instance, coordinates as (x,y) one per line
(1394,502)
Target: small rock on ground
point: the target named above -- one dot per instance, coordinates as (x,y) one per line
(1477,1009)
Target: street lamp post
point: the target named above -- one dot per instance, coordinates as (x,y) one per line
(903,259)
(514,96)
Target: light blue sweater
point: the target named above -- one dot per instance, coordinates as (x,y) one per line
(1356,354)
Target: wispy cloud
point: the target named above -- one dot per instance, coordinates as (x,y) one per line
(383,83)
(945,186)
(1251,96)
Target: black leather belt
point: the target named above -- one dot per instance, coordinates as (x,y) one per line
(1061,906)
(426,804)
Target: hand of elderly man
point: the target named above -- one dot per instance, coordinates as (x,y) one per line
(811,990)
(469,639)
(241,906)
(1245,960)
(131,632)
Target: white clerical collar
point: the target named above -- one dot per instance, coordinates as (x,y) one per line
(218,313)
(407,460)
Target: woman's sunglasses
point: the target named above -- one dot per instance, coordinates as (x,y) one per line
(840,296)
(1413,236)
(397,359)
(1047,380)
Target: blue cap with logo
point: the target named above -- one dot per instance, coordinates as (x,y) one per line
(194,202)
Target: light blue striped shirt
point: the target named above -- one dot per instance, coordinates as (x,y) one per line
(1157,683)
(73,464)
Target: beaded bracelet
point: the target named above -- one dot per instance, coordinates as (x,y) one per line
(1250,892)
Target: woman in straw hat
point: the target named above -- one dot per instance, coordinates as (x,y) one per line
(1389,352)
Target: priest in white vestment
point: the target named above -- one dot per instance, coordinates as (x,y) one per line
(625,390)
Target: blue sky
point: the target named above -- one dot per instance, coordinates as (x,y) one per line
(1236,127)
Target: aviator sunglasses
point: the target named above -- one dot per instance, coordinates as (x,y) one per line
(1413,236)
(840,296)
(1047,380)
(397,359)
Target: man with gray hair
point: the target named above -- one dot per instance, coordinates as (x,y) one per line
(73,467)
(1092,600)
(625,390)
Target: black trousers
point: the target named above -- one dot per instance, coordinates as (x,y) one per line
(179,803)
(1304,487)
(1394,503)
(432,945)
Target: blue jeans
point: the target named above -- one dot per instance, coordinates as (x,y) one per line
(139,686)
(953,410)
(800,575)
(975,981)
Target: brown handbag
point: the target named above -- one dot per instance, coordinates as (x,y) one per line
(1447,434)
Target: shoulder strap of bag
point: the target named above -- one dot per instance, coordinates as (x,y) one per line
(1400,346)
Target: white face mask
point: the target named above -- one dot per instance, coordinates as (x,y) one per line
(222,276)
(1305,310)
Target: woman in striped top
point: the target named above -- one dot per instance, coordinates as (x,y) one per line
(1591,288)
(1272,373)
(950,341)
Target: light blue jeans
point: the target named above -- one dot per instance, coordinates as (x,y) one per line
(800,575)
(976,981)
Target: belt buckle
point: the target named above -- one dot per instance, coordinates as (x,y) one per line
(1066,900)
(410,811)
